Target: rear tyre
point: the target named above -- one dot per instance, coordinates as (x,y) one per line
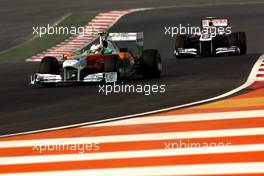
(111,64)
(49,65)
(152,65)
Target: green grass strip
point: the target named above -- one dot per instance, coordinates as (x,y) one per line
(38,44)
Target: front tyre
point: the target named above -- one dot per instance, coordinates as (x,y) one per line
(242,41)
(49,65)
(238,39)
(152,65)
(180,42)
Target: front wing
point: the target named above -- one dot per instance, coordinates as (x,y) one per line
(192,52)
(39,78)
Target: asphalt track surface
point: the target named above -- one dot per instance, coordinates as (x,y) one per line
(24,108)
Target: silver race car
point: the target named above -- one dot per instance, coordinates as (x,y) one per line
(104,61)
(214,39)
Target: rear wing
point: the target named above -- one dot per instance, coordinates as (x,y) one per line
(137,37)
(215,22)
(131,36)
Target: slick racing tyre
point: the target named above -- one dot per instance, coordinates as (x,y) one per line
(49,65)
(242,42)
(238,39)
(111,64)
(152,65)
(181,42)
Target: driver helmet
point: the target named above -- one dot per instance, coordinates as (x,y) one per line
(96,48)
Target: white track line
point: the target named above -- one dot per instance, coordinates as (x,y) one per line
(260,74)
(162,152)
(185,118)
(251,79)
(134,137)
(105,17)
(260,79)
(254,72)
(99,23)
(192,169)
